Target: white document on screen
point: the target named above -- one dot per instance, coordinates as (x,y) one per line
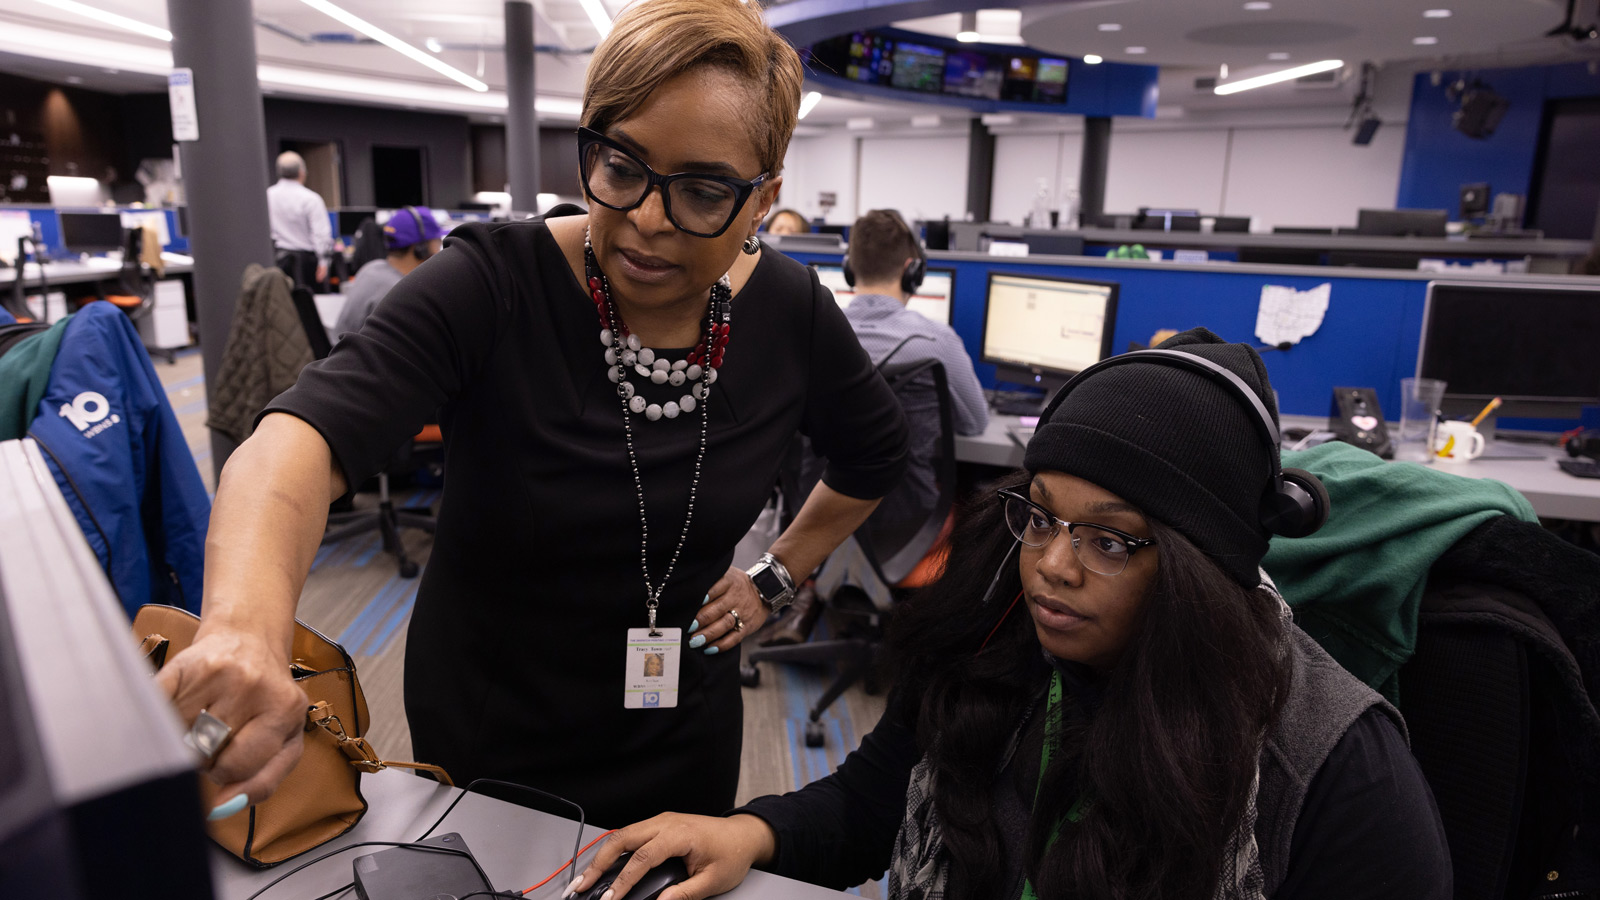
(1288,315)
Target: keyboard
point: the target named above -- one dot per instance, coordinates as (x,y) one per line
(1582,468)
(1016,403)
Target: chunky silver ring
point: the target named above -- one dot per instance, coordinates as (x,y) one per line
(208,736)
(738,623)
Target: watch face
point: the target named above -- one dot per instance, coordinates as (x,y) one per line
(767,582)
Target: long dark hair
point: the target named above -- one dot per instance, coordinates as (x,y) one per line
(1168,758)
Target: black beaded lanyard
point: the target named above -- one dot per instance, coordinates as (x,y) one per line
(623,351)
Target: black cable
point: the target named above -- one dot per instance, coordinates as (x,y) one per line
(336,892)
(332,853)
(577,842)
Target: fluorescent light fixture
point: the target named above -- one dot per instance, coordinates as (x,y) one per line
(394,43)
(1436,14)
(1247,84)
(433,45)
(1258,5)
(1425,41)
(1110,26)
(597,15)
(809,102)
(860,123)
(100,15)
(994,120)
(493,198)
(924,121)
(1092,59)
(1278,56)
(967,30)
(1135,51)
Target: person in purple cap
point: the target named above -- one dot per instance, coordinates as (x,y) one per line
(412,235)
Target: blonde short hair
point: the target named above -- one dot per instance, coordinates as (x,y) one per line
(654,41)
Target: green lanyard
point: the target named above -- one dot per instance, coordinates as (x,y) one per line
(1052,736)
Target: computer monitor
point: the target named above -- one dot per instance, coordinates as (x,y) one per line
(1048,244)
(824,228)
(1042,330)
(351,219)
(932,298)
(805,243)
(1402,222)
(1521,343)
(91,232)
(1300,229)
(1230,224)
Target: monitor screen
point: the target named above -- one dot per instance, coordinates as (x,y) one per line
(91,232)
(1516,342)
(871,58)
(1020,75)
(932,298)
(351,219)
(1051,86)
(1057,326)
(1402,222)
(971,74)
(918,68)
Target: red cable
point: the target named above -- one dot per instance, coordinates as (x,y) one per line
(569,862)
(1002,621)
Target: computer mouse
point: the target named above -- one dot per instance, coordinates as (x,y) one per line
(669,873)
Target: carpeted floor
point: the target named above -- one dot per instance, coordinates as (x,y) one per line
(355,595)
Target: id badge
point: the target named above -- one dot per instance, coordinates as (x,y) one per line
(651,681)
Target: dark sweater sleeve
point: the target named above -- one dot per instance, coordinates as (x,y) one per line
(423,342)
(1369,827)
(851,416)
(839,831)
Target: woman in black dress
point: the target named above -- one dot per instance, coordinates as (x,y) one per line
(617,390)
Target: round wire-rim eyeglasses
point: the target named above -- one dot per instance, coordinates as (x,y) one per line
(1105,550)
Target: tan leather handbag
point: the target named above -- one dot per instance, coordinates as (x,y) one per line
(321,797)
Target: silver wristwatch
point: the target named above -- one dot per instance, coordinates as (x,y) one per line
(773,582)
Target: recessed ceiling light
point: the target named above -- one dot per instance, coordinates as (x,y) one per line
(1277,57)
(1110,26)
(1257,5)
(1222,73)
(968,37)
(74,79)
(1424,41)
(1134,51)
(1436,14)
(1092,59)
(433,45)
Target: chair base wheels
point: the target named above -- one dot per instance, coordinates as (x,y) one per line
(749,675)
(815,735)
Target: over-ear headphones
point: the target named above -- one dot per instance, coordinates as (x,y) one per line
(911,277)
(1293,503)
(421,249)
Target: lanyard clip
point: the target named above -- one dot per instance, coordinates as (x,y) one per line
(654,632)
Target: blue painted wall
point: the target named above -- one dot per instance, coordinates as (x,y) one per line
(1439,159)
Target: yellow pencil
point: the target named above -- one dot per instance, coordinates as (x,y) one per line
(1493,405)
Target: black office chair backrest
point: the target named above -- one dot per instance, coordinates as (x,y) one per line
(310,322)
(895,537)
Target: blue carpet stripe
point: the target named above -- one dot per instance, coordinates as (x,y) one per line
(185,384)
(190,408)
(401,611)
(356,633)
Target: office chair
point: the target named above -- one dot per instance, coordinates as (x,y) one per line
(901,552)
(386,519)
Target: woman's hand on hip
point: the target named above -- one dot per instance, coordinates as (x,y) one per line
(732,611)
(239,678)
(717,851)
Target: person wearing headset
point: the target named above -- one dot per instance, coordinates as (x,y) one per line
(411,236)
(885,264)
(1104,695)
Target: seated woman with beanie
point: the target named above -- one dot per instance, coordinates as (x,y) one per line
(1148,724)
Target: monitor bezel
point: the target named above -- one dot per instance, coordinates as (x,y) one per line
(1039,374)
(92,246)
(950,304)
(1512,405)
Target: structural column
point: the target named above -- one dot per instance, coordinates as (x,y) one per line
(980,170)
(1092,172)
(225,171)
(522,120)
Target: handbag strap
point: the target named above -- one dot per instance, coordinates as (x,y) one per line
(320,715)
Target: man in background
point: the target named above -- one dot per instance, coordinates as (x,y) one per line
(411,236)
(301,235)
(882,250)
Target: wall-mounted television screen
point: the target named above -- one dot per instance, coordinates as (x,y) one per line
(1050,84)
(871,58)
(918,67)
(971,74)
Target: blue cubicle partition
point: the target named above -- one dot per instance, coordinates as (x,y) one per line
(49,222)
(1368,338)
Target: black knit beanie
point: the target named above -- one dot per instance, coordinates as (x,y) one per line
(1174,443)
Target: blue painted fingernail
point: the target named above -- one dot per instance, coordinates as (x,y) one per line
(232,807)
(712,651)
(697,641)
(695,625)
(706,600)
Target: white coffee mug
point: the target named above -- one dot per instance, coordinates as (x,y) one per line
(1464,441)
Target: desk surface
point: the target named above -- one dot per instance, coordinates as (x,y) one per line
(74,272)
(516,847)
(1553,493)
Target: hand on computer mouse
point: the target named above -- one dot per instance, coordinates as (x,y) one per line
(717,854)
